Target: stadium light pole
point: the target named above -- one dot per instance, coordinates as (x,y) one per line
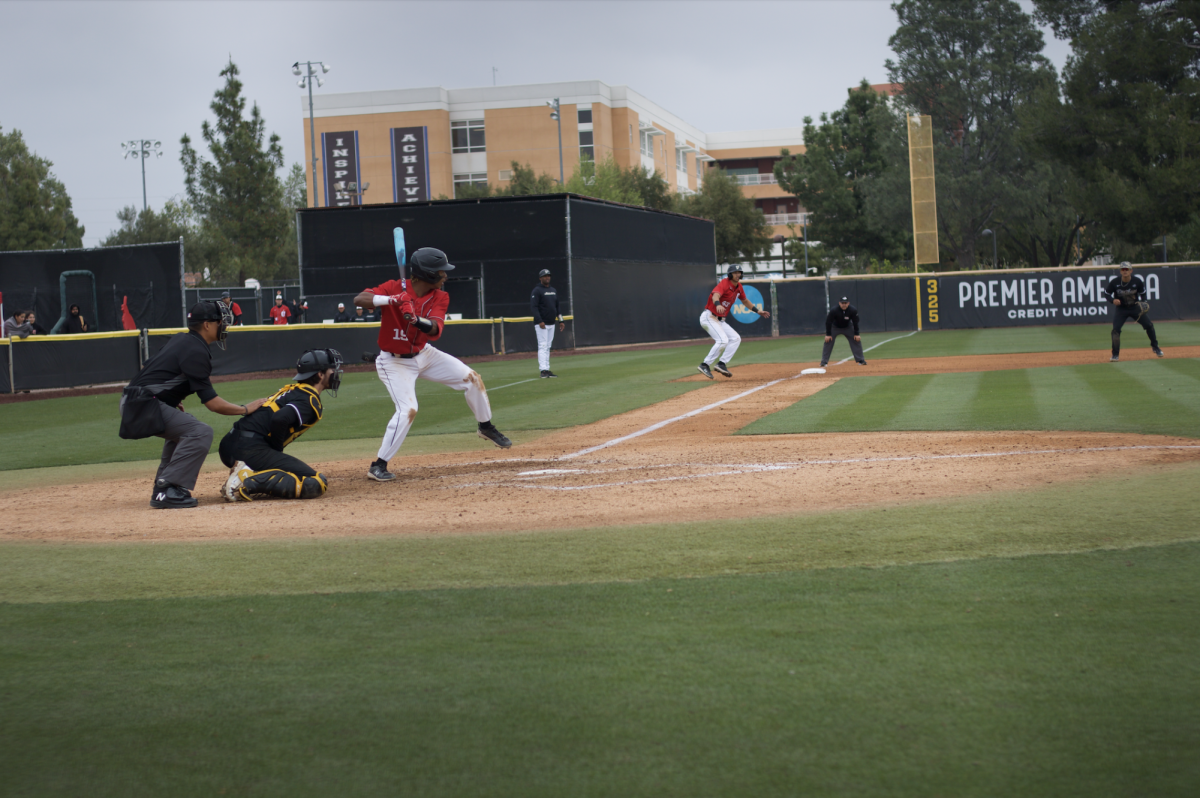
(308,74)
(557,116)
(993,235)
(142,149)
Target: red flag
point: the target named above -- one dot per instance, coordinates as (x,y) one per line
(127,321)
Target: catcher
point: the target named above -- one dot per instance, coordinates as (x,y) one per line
(1128,293)
(253,449)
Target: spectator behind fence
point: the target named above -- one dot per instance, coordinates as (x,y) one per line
(280,312)
(32,321)
(76,323)
(342,315)
(234,307)
(17,324)
(359,315)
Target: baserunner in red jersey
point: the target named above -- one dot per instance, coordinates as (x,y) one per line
(412,317)
(720,300)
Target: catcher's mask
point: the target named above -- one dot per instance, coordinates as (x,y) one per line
(213,310)
(314,361)
(426,262)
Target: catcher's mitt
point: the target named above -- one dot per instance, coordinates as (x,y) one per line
(1143,309)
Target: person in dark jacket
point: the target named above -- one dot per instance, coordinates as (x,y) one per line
(342,316)
(76,323)
(840,321)
(543,303)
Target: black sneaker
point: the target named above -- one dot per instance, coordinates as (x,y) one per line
(862,362)
(543,374)
(705,370)
(1158,351)
(822,364)
(378,472)
(488,431)
(550,375)
(1115,359)
(722,368)
(170,497)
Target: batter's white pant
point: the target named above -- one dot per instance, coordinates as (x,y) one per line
(399,376)
(545,338)
(727,338)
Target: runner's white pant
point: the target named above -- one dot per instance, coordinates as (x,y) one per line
(545,338)
(399,376)
(726,338)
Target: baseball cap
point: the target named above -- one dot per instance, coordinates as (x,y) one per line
(224,295)
(1125,265)
(341,304)
(844,299)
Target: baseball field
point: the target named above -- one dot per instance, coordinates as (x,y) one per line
(969,568)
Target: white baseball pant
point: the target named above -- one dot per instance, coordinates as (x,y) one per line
(545,338)
(726,338)
(399,376)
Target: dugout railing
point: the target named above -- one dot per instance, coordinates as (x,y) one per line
(70,361)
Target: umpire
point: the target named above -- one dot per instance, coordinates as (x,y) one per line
(1128,293)
(842,317)
(151,403)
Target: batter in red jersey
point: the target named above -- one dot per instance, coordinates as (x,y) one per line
(412,317)
(726,339)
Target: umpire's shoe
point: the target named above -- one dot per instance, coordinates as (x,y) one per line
(705,370)
(170,497)
(722,368)
(488,431)
(378,472)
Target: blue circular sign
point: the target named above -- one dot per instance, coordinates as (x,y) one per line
(744,314)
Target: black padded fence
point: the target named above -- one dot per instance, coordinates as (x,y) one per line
(41,361)
(5,366)
(148,277)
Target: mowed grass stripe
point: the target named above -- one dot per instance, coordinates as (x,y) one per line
(1075,516)
(1040,676)
(1145,397)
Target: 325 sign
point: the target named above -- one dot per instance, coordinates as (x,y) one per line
(930,301)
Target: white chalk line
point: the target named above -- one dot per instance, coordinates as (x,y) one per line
(752,468)
(697,412)
(881,343)
(511,384)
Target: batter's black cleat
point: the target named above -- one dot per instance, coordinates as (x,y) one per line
(488,431)
(1158,351)
(705,370)
(378,472)
(548,375)
(722,368)
(170,497)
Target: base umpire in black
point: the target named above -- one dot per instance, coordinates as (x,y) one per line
(841,318)
(253,449)
(151,404)
(1128,293)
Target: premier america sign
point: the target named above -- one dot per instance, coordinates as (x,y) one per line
(342,173)
(1036,298)
(410,164)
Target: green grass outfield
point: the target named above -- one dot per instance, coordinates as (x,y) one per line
(1039,643)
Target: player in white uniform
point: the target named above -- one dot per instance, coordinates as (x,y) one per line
(412,317)
(726,339)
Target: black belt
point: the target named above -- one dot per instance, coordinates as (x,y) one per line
(246,434)
(409,356)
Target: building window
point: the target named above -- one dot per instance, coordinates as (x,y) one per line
(467,136)
(631,135)
(464,182)
(585,116)
(647,144)
(585,145)
(681,160)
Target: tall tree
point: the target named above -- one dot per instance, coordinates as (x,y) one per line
(1128,122)
(176,220)
(239,194)
(847,148)
(35,210)
(969,64)
(604,180)
(741,229)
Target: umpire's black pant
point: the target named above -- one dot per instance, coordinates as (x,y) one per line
(1124,314)
(855,346)
(252,449)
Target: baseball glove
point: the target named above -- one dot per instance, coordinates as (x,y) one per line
(1143,309)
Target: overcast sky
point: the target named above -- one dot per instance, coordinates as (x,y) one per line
(84,76)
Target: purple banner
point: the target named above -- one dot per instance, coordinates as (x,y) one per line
(342,174)
(410,164)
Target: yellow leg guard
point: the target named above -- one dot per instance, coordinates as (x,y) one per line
(314,487)
(280,484)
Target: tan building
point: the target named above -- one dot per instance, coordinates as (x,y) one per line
(414,145)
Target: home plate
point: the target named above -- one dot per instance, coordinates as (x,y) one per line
(813,371)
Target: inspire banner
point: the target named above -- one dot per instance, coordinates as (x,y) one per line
(342,173)
(410,164)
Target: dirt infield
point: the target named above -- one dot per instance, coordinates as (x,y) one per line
(671,462)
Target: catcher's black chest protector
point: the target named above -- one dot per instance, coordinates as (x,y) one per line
(285,416)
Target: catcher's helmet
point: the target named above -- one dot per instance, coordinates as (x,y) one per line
(543,273)
(212,310)
(314,361)
(426,262)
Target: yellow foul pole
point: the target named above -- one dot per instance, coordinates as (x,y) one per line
(924,199)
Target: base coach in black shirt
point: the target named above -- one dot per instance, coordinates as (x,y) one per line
(151,404)
(839,322)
